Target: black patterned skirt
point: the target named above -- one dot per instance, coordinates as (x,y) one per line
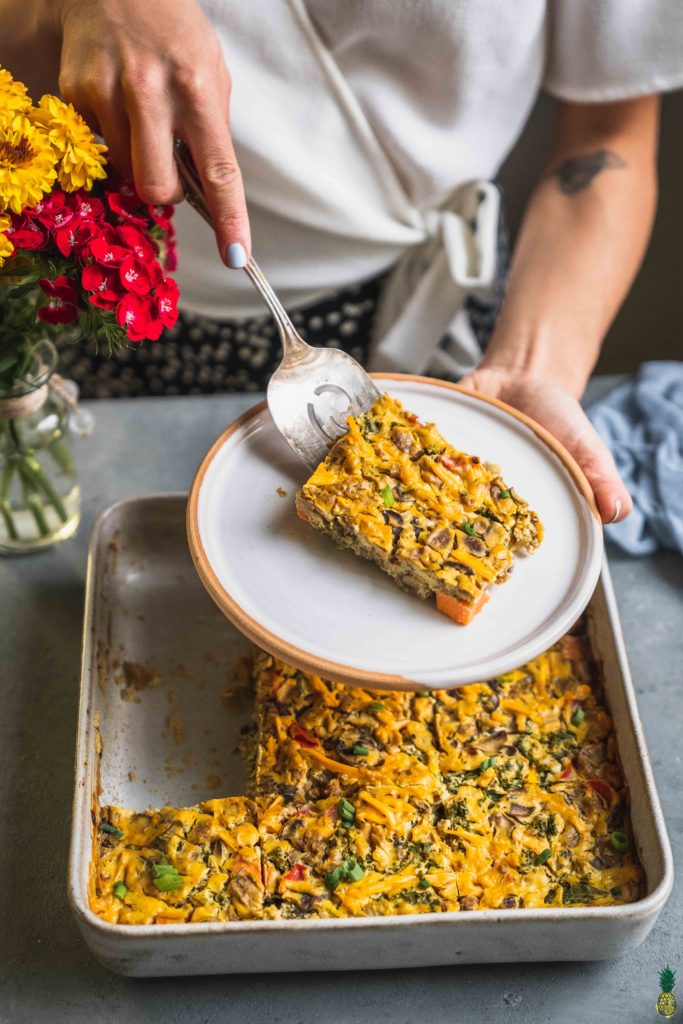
(201,355)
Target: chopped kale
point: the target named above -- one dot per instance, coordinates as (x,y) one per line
(369,426)
(458,814)
(544,825)
(432,452)
(454,780)
(411,749)
(510,774)
(580,892)
(483,511)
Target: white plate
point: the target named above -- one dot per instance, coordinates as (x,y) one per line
(296,594)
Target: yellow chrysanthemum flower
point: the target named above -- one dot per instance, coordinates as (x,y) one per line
(14,98)
(81,158)
(6,247)
(27,163)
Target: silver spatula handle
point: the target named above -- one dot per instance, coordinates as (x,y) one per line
(293,345)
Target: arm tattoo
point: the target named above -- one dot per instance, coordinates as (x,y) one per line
(576,173)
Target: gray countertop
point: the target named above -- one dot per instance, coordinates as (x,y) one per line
(147,445)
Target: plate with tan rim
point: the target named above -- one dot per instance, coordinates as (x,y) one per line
(292,591)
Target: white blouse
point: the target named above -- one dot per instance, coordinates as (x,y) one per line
(368,132)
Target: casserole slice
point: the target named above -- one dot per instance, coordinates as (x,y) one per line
(437,520)
(193,864)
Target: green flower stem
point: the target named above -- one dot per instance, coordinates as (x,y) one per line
(10,525)
(62,455)
(32,467)
(40,479)
(32,500)
(5,507)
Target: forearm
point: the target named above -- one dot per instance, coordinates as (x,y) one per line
(581,243)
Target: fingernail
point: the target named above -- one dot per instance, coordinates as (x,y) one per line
(617,510)
(237,256)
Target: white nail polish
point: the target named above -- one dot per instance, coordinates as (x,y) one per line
(617,510)
(237,256)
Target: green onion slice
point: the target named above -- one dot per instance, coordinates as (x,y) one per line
(578,716)
(466,528)
(360,750)
(345,809)
(387,496)
(334,878)
(544,856)
(377,706)
(354,872)
(166,877)
(619,841)
(111,829)
(504,494)
(348,871)
(487,763)
(120,890)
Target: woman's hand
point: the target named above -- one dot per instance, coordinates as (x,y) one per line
(143,72)
(560,413)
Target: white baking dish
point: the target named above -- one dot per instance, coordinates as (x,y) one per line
(174,742)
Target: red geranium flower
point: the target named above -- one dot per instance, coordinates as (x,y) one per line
(171,258)
(161,215)
(126,205)
(166,300)
(104,282)
(87,207)
(139,277)
(53,211)
(136,314)
(137,241)
(77,234)
(62,307)
(105,248)
(27,234)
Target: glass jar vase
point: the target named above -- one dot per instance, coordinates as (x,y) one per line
(39,495)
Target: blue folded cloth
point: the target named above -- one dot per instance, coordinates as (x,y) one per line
(642,424)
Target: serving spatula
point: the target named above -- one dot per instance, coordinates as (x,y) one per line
(313,390)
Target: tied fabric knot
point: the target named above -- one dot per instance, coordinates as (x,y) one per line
(641,422)
(423,297)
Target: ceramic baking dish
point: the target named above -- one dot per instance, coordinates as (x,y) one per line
(158,657)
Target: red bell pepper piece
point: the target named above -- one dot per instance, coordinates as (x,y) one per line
(302,736)
(603,789)
(297,873)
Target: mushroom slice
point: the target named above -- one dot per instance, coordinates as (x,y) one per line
(519,810)
(468,902)
(570,837)
(392,518)
(439,539)
(496,740)
(402,439)
(452,563)
(475,546)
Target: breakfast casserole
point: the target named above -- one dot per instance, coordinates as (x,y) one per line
(438,521)
(501,794)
